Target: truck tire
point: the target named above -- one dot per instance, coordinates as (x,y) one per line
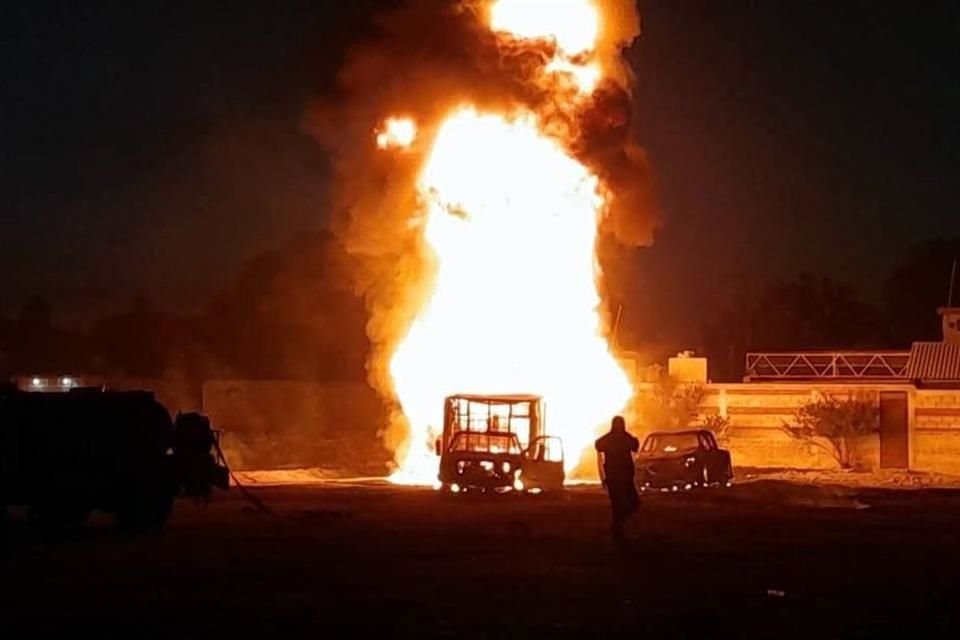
(145,512)
(146,501)
(147,488)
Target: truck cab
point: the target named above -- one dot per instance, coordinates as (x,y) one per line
(498,442)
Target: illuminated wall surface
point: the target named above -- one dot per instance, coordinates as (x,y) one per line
(294,413)
(282,423)
(758,411)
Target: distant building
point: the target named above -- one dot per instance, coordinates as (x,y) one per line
(685,367)
(48,382)
(950,319)
(935,364)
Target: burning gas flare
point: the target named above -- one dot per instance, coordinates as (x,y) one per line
(397,132)
(571,25)
(511,217)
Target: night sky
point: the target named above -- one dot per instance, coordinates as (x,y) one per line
(148,148)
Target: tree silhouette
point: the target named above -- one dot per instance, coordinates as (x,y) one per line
(803,313)
(291,314)
(140,342)
(35,316)
(36,345)
(916,287)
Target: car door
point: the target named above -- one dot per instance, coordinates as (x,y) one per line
(709,452)
(720,465)
(543,464)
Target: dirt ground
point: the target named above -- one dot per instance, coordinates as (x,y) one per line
(762,559)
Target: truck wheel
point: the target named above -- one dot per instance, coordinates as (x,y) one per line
(144,516)
(144,511)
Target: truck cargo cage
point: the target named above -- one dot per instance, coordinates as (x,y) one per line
(521,415)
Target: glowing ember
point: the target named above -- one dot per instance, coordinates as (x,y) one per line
(397,132)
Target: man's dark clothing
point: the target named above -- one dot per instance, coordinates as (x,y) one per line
(617,447)
(618,467)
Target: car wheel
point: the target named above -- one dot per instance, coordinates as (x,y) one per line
(727,478)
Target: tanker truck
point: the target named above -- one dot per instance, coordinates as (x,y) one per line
(65,454)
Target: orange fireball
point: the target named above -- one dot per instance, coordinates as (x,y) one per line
(511,218)
(397,132)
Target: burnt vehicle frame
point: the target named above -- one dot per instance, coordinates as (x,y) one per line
(498,442)
(673,460)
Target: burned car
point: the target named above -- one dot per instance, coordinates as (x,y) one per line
(497,442)
(675,460)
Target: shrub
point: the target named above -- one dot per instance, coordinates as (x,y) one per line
(842,422)
(670,405)
(720,426)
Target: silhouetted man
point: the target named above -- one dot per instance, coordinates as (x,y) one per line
(615,459)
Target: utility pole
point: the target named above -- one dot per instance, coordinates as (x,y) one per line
(953,277)
(616,329)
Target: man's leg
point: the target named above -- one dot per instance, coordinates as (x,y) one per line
(616,528)
(618,512)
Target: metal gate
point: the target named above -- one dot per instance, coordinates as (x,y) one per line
(894,430)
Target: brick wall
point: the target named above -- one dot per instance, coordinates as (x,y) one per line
(936,430)
(276,424)
(176,395)
(757,412)
(271,424)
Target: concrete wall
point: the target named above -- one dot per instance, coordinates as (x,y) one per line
(282,423)
(275,424)
(935,442)
(175,395)
(757,412)
(272,424)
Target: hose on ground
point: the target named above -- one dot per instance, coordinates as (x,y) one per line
(252,499)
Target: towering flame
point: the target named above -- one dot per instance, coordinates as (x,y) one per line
(511,218)
(397,132)
(571,24)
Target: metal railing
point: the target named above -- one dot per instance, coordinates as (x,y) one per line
(837,365)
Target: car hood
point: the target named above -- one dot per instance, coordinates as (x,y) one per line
(658,456)
(473,455)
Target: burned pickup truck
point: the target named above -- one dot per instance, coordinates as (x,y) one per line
(498,443)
